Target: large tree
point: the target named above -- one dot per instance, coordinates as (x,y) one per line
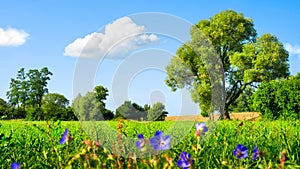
(28,89)
(37,85)
(18,93)
(230,39)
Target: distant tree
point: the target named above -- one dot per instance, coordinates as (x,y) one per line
(92,105)
(27,91)
(69,115)
(126,110)
(38,85)
(132,111)
(18,93)
(87,107)
(76,104)
(146,107)
(3,108)
(157,112)
(54,106)
(101,94)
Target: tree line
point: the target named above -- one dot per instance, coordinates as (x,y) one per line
(28,98)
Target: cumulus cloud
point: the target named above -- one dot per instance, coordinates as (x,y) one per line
(118,39)
(12,37)
(293,50)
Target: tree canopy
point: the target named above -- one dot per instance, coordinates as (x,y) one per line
(27,91)
(246,60)
(54,106)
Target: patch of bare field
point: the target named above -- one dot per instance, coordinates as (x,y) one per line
(234,116)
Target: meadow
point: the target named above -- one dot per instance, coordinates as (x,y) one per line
(113,144)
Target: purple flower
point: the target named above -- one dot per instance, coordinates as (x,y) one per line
(15,165)
(185,160)
(141,143)
(255,153)
(64,137)
(200,127)
(240,151)
(159,142)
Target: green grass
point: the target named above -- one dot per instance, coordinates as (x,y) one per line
(36,144)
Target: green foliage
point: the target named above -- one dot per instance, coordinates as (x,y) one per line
(227,39)
(101,94)
(27,91)
(279,98)
(156,112)
(132,111)
(88,107)
(37,81)
(243,103)
(3,107)
(36,145)
(54,106)
(18,93)
(92,105)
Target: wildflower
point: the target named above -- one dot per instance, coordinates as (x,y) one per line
(159,142)
(96,143)
(87,142)
(185,160)
(15,165)
(283,157)
(255,153)
(241,151)
(200,127)
(64,137)
(141,143)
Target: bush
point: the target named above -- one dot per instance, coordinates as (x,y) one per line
(278,99)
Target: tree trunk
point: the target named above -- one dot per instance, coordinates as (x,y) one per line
(224,114)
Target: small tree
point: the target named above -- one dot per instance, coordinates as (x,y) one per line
(156,112)
(92,105)
(27,91)
(54,106)
(132,111)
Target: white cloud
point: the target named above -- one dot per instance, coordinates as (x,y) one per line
(119,39)
(293,50)
(12,37)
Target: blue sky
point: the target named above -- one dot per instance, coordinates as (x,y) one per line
(42,31)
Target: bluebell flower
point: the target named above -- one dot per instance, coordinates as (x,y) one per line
(141,143)
(185,160)
(64,137)
(159,142)
(241,151)
(15,165)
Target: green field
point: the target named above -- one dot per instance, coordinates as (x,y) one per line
(36,144)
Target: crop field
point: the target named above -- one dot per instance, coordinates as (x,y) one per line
(113,144)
